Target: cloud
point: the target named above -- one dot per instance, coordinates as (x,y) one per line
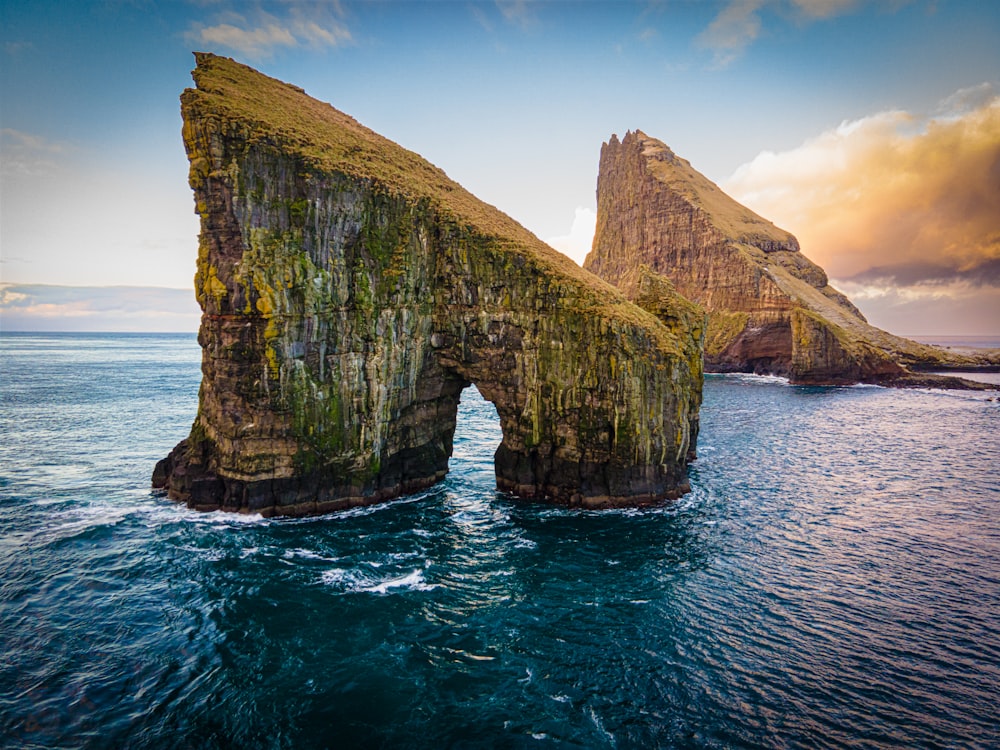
(15,48)
(739,23)
(578,242)
(736,26)
(517,12)
(824,8)
(894,199)
(929,309)
(27,154)
(256,42)
(259,34)
(40,307)
(481,18)
(965,100)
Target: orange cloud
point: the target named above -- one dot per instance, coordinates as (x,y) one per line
(892,198)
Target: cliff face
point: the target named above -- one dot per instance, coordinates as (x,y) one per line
(351,291)
(770,309)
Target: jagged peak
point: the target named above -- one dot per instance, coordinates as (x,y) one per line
(731,218)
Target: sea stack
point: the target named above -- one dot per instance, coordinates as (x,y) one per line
(350,291)
(770,309)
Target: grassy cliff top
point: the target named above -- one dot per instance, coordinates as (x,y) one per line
(733,219)
(332,141)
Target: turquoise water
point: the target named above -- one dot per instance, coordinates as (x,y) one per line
(833,580)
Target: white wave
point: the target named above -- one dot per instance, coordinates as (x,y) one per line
(340,577)
(212,554)
(307,554)
(224,518)
(749,377)
(599,725)
(162,511)
(414,581)
(354,580)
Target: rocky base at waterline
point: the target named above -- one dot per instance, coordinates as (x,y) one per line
(770,309)
(351,291)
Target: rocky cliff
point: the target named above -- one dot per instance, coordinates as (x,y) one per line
(350,292)
(770,309)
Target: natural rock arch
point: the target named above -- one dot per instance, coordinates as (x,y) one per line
(351,291)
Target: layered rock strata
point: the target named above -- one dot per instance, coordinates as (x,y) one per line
(351,291)
(770,309)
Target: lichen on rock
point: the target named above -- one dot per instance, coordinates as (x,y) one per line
(351,290)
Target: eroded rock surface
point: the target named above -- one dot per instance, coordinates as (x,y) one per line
(351,291)
(770,309)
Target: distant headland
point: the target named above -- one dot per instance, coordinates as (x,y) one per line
(770,309)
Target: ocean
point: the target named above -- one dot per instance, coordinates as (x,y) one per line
(832,581)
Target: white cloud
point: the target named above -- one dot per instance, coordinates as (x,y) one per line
(320,36)
(739,23)
(252,42)
(578,242)
(736,26)
(824,8)
(27,154)
(481,18)
(516,12)
(259,34)
(965,100)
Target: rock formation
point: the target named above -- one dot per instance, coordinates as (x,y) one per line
(770,309)
(351,290)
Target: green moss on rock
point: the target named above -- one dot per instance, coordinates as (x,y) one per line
(723,328)
(351,290)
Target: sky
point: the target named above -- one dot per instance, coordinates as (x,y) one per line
(868,128)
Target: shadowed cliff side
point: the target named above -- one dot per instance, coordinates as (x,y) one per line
(350,292)
(770,309)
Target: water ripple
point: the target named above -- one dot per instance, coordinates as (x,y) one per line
(833,580)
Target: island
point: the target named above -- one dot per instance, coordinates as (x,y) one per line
(350,291)
(770,309)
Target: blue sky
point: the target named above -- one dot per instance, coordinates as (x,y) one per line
(804,109)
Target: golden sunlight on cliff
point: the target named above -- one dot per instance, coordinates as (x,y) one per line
(892,197)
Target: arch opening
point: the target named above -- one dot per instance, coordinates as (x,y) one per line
(476,439)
